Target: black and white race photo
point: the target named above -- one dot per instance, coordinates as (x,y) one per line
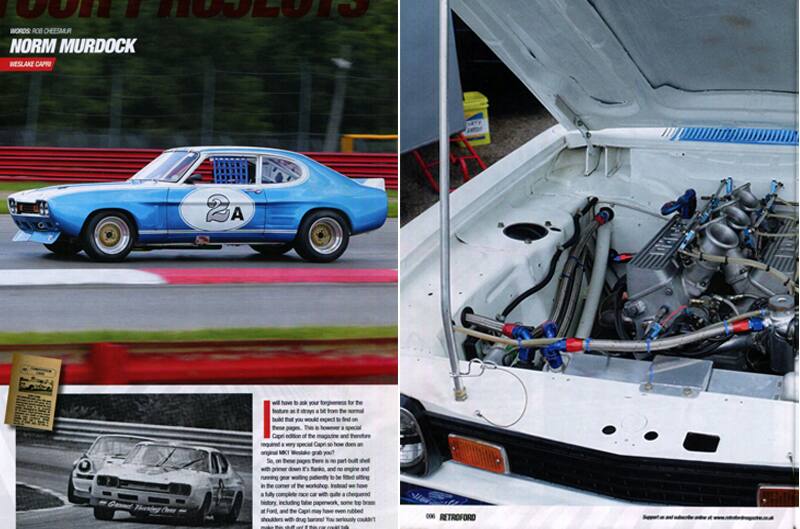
(139,460)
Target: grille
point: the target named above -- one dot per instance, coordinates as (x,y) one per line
(743,135)
(143,485)
(635,479)
(30,209)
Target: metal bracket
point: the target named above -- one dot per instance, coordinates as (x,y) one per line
(592,152)
(676,376)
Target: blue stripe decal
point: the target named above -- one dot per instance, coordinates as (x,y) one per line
(733,135)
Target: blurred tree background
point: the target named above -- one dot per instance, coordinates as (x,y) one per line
(249,81)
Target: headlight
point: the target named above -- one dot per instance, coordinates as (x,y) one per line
(418,455)
(180,489)
(12,206)
(43,208)
(85,465)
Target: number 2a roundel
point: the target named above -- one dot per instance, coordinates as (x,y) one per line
(217,209)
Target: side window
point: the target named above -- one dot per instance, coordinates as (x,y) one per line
(232,170)
(214,464)
(223,463)
(279,170)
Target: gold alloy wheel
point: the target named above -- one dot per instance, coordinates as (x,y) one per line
(326,235)
(112,235)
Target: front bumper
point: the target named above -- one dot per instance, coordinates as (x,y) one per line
(139,501)
(36,228)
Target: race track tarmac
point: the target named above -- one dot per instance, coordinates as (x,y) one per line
(43,309)
(188,307)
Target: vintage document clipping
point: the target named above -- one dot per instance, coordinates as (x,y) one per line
(32,391)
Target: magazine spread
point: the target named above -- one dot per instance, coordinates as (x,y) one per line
(399,264)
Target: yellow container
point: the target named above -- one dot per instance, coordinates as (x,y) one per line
(476,113)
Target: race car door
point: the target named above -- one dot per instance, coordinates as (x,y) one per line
(285,182)
(226,206)
(224,482)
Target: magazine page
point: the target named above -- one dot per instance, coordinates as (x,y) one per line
(399,264)
(198,254)
(598,295)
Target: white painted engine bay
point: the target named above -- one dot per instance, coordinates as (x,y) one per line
(544,183)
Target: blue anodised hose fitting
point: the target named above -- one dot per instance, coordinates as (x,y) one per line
(522,333)
(552,352)
(686,205)
(550,329)
(655,330)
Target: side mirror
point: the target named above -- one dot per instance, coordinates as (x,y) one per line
(197,177)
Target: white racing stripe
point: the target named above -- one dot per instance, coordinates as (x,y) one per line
(66,276)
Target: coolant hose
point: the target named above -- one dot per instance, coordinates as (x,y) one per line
(596,282)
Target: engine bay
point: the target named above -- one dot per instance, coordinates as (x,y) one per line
(716,286)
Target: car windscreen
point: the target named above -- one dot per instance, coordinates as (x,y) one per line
(113,446)
(168,167)
(169,457)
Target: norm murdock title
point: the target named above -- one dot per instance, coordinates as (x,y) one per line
(184,8)
(64,46)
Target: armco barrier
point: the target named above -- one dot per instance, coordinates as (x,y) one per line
(60,164)
(354,361)
(84,431)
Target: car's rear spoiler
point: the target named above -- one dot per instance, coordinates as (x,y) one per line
(377,183)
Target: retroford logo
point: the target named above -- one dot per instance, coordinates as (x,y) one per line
(217,209)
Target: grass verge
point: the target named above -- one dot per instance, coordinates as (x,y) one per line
(30,499)
(201,335)
(6,188)
(392,203)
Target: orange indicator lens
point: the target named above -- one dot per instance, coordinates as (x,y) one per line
(478,454)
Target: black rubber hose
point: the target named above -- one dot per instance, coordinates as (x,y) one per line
(576,233)
(535,288)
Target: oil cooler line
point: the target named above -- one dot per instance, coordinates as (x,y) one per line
(747,322)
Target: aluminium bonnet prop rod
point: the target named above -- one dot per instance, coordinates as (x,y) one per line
(459,390)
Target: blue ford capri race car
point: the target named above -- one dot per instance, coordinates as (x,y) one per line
(206,197)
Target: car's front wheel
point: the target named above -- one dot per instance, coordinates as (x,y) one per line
(198,517)
(323,237)
(65,246)
(233,514)
(108,237)
(102,513)
(272,250)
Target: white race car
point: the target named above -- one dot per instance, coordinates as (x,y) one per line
(105,450)
(170,480)
(623,300)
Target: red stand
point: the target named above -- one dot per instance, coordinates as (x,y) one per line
(461,161)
